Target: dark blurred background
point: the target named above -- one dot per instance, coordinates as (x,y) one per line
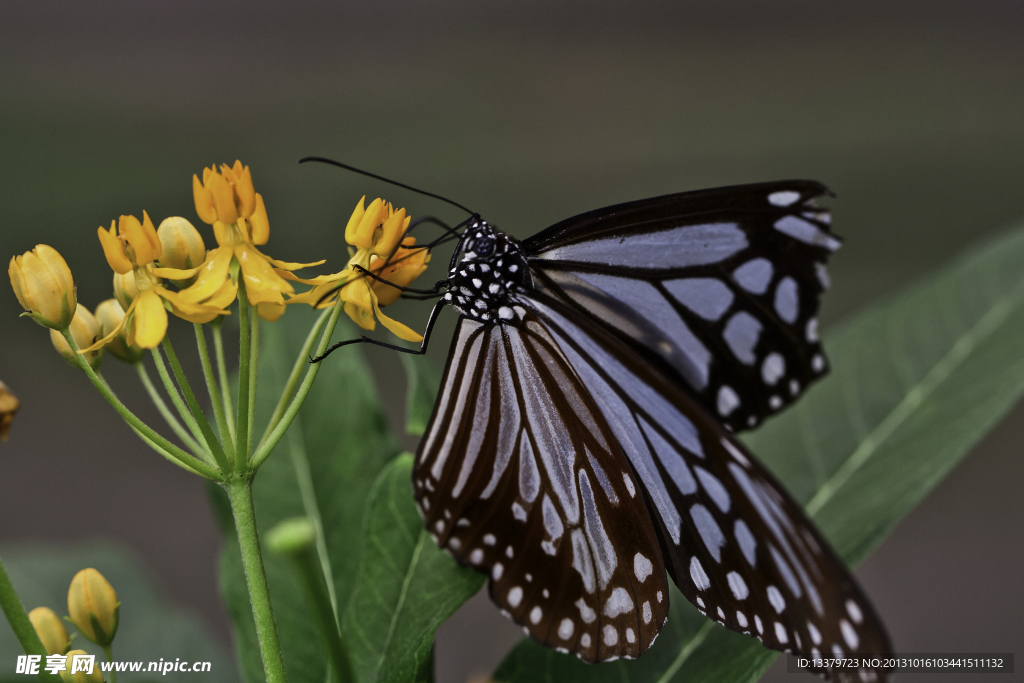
(528,112)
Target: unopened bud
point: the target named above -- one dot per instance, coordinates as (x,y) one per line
(183,247)
(50,629)
(93,607)
(85,330)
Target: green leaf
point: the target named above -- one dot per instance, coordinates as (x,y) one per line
(150,628)
(324,468)
(407,586)
(424,383)
(917,380)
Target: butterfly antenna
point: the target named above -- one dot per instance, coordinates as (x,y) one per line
(332,162)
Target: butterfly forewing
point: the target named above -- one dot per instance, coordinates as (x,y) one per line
(718,288)
(733,541)
(518,477)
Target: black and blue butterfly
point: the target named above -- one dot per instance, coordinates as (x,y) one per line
(582,449)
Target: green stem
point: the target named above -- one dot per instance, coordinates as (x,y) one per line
(222,372)
(319,601)
(211,388)
(109,654)
(242,425)
(240,494)
(183,411)
(17,617)
(170,458)
(193,405)
(301,361)
(161,406)
(130,417)
(254,366)
(264,451)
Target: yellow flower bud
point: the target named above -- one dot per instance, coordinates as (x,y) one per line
(81,676)
(142,244)
(125,289)
(50,629)
(110,314)
(93,607)
(43,284)
(9,405)
(361,233)
(182,245)
(85,330)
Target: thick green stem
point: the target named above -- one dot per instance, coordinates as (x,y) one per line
(222,372)
(179,404)
(301,362)
(17,617)
(320,604)
(254,366)
(240,494)
(264,451)
(109,654)
(130,417)
(242,425)
(168,416)
(193,404)
(211,388)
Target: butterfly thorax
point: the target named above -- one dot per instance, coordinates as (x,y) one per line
(490,266)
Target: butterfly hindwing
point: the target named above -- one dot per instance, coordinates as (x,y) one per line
(734,542)
(518,477)
(718,288)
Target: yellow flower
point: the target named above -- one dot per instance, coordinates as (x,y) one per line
(50,629)
(93,607)
(225,196)
(43,284)
(182,245)
(139,289)
(378,233)
(85,330)
(9,405)
(226,200)
(110,315)
(80,676)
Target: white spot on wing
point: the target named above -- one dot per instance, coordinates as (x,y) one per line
(811,331)
(647,612)
(815,633)
(629,485)
(489,539)
(728,400)
(783,197)
(738,586)
(776,599)
(497,570)
(787,300)
(755,275)
(585,640)
(708,297)
(535,615)
(477,556)
(780,633)
(849,634)
(642,567)
(566,628)
(714,488)
(611,636)
(587,614)
(818,362)
(515,596)
(697,574)
(773,368)
(709,531)
(746,540)
(799,229)
(581,560)
(741,619)
(630,636)
(853,609)
(618,603)
(741,334)
(518,512)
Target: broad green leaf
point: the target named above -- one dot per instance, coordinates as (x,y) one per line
(407,586)
(324,469)
(916,381)
(424,381)
(151,629)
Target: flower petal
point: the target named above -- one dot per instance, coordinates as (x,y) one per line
(396,328)
(113,333)
(194,313)
(113,249)
(150,321)
(211,277)
(203,199)
(261,282)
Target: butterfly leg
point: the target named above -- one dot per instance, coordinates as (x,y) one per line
(434,313)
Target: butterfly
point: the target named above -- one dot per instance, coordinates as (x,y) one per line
(582,449)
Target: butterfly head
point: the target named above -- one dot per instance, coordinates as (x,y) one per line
(487,266)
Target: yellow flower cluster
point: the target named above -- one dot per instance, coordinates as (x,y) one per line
(146,259)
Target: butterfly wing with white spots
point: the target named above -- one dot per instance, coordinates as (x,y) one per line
(718,288)
(734,542)
(517,477)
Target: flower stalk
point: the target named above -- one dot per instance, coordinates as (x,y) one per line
(17,617)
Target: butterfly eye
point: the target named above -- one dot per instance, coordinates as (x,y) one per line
(483,246)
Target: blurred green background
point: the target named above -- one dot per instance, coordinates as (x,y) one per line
(528,113)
